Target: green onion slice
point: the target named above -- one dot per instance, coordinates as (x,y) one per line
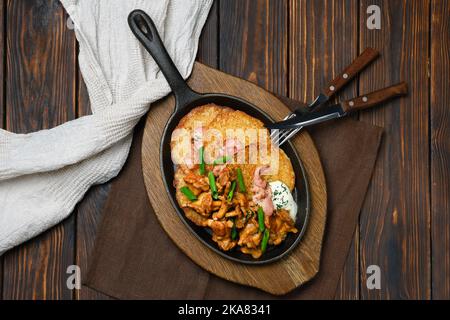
(234,232)
(213,186)
(233,188)
(265,240)
(262,226)
(188,193)
(241,183)
(222,160)
(202,161)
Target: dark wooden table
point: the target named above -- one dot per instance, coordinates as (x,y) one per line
(292,48)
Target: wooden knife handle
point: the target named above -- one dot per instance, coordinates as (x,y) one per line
(368,56)
(372,99)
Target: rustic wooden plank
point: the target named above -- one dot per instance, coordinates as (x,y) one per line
(254,41)
(323,41)
(208,50)
(40,93)
(396,215)
(440,148)
(2,100)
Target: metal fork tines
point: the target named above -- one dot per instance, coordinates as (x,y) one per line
(280,137)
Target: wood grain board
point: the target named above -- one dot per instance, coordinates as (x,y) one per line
(312,64)
(440,149)
(278,278)
(293,48)
(395,218)
(40,94)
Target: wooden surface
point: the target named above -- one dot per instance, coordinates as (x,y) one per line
(40,93)
(440,149)
(397,208)
(277,278)
(291,47)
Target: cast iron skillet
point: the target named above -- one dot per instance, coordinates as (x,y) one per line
(186,99)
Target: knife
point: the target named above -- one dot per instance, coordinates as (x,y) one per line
(358,65)
(342,109)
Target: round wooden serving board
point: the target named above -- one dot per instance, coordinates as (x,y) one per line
(280,277)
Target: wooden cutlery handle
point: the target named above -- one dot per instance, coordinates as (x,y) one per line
(372,99)
(368,56)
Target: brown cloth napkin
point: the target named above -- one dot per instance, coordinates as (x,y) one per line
(134,259)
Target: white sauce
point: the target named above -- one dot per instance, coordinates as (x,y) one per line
(282,198)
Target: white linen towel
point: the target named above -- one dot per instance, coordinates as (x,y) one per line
(43,175)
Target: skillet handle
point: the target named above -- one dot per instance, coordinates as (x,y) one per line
(145,31)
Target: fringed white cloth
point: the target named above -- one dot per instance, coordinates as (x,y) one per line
(43,175)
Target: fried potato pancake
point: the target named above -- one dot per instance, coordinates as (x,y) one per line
(200,117)
(204,114)
(237,122)
(222,119)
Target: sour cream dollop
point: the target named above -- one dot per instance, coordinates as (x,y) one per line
(282,198)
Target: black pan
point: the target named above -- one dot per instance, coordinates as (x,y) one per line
(186,99)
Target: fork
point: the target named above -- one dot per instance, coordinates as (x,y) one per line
(280,137)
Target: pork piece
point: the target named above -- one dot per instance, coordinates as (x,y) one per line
(216,205)
(197,181)
(225,244)
(218,169)
(223,180)
(222,211)
(280,225)
(236,213)
(222,234)
(233,147)
(204,204)
(262,193)
(195,191)
(242,220)
(227,189)
(250,237)
(242,201)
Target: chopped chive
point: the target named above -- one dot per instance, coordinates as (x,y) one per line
(240,178)
(188,193)
(213,186)
(234,232)
(233,188)
(262,226)
(265,240)
(221,160)
(202,161)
